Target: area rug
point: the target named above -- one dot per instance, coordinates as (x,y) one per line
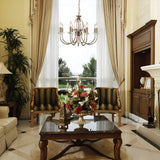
(105,146)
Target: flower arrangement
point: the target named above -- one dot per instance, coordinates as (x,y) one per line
(80,99)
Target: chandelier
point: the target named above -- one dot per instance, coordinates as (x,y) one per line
(78,32)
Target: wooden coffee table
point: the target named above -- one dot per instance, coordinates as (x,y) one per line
(98,128)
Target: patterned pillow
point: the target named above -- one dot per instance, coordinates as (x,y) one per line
(107,98)
(45,99)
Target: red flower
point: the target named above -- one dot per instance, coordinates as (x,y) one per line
(76,93)
(77,110)
(84,94)
(81,86)
(68,106)
(94,106)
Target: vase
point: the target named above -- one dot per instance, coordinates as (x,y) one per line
(81,121)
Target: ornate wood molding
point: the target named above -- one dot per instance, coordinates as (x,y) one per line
(33,9)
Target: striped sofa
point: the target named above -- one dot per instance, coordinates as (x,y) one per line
(44,100)
(108,102)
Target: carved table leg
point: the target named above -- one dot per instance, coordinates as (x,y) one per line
(117,146)
(43,148)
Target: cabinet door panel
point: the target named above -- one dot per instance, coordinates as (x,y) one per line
(135,103)
(144,104)
(142,40)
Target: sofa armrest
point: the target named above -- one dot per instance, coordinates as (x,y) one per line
(4,111)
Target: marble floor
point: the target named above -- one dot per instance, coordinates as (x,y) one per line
(133,147)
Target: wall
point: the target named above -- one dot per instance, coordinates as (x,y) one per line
(15,14)
(140,12)
(155,14)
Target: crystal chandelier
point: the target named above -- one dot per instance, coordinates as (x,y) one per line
(78,32)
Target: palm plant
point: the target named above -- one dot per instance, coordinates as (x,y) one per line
(18,64)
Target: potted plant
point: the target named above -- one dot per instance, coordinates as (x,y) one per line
(17,89)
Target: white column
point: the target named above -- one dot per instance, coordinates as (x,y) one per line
(156,105)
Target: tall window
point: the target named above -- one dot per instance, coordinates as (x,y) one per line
(76,57)
(76,61)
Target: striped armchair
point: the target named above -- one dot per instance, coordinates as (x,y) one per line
(44,100)
(108,102)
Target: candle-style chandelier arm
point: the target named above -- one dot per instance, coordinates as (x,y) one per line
(61,35)
(63,41)
(84,39)
(94,40)
(72,39)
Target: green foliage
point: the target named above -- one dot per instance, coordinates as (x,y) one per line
(11,37)
(18,64)
(89,70)
(63,71)
(62,86)
(62,98)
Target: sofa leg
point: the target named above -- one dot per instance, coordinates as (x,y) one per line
(112,117)
(119,119)
(32,119)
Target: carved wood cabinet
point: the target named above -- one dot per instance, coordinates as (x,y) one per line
(142,53)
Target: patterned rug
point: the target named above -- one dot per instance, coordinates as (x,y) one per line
(105,146)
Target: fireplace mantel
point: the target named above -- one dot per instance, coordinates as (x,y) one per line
(154,71)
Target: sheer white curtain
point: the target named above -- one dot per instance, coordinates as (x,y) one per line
(105,76)
(49,73)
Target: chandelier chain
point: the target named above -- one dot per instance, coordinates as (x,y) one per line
(78,7)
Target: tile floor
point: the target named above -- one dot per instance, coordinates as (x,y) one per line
(135,147)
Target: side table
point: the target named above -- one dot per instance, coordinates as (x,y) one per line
(12,107)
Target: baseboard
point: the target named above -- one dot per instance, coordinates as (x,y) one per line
(136,118)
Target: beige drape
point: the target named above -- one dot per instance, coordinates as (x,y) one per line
(40,16)
(114,25)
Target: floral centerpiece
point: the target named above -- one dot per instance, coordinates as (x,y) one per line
(81,99)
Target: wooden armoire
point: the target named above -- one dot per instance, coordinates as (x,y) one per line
(142,53)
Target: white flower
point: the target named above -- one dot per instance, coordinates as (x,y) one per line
(81,103)
(67,99)
(88,90)
(86,99)
(76,87)
(69,90)
(75,96)
(95,91)
(96,98)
